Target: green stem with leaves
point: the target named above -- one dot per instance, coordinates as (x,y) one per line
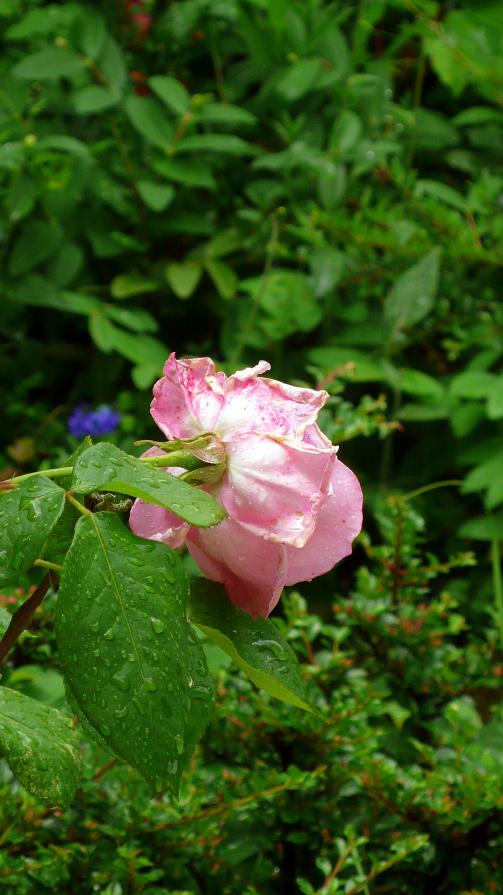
(55,473)
(175,458)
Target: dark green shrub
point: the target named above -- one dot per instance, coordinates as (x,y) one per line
(320,184)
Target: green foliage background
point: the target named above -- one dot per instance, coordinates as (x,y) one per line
(319,184)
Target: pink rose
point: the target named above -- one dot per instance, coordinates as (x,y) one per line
(294,508)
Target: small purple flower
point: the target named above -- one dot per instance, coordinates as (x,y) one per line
(83,420)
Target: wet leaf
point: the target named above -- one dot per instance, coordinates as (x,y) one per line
(106,468)
(28,513)
(124,646)
(255,644)
(40,747)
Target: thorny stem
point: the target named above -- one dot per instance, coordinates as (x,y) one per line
(23,616)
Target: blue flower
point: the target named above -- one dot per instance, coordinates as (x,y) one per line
(83,420)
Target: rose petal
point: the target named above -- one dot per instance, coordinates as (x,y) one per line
(266,405)
(148,520)
(187,400)
(316,438)
(339,521)
(273,487)
(251,569)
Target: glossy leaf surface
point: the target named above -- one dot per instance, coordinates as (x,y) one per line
(124,646)
(28,513)
(106,468)
(255,644)
(40,747)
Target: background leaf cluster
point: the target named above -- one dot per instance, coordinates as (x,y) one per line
(320,184)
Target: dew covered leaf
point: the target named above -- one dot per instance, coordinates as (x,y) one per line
(104,467)
(124,647)
(28,513)
(40,747)
(202,697)
(61,535)
(255,644)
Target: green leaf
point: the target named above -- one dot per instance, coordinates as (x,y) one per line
(473,384)
(413,293)
(127,284)
(495,400)
(359,366)
(112,64)
(346,131)
(134,318)
(188,172)
(40,747)
(255,644)
(288,302)
(299,78)
(102,332)
(488,476)
(20,197)
(223,113)
(65,264)
(93,98)
(476,115)
(223,243)
(173,94)
(446,63)
(60,537)
(433,131)
(228,144)
(104,467)
(415,382)
(327,267)
(35,22)
(202,697)
(139,348)
(93,32)
(36,242)
(49,64)
(183,277)
(332,182)
(65,143)
(150,120)
(28,513)
(157,196)
(422,413)
(483,528)
(465,417)
(442,192)
(223,277)
(123,641)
